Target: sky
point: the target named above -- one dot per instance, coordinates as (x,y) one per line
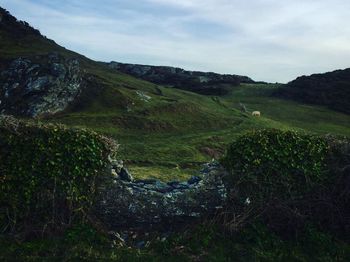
(267,40)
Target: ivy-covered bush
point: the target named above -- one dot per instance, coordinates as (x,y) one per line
(339,189)
(269,164)
(277,174)
(48,174)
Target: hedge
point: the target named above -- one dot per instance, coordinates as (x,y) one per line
(48,174)
(289,179)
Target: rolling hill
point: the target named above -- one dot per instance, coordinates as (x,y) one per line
(168,122)
(164,129)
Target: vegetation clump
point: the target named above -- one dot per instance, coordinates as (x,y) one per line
(48,175)
(329,89)
(287,178)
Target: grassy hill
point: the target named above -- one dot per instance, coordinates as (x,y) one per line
(182,129)
(164,130)
(167,133)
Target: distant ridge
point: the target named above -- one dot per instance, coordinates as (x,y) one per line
(330,89)
(206,83)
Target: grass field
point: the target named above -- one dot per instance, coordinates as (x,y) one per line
(166,132)
(170,134)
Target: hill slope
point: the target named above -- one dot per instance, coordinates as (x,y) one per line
(163,131)
(330,89)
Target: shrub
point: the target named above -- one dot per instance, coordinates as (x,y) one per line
(270,164)
(48,174)
(339,189)
(277,174)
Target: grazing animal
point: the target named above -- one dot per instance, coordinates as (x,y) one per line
(256,113)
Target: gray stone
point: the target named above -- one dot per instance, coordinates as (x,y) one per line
(151,202)
(32,89)
(159,187)
(125,175)
(200,82)
(58,70)
(173,183)
(181,185)
(194,180)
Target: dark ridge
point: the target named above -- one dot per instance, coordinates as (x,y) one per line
(330,89)
(205,83)
(11,25)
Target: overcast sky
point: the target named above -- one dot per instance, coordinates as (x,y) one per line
(270,40)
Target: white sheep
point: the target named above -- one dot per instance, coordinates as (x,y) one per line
(256,113)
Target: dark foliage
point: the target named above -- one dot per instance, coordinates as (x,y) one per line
(48,175)
(290,179)
(330,89)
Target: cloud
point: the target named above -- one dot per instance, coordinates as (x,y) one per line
(269,40)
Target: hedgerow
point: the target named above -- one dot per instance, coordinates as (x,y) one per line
(276,164)
(287,178)
(48,175)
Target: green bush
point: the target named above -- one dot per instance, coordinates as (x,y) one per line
(290,180)
(270,164)
(278,175)
(48,175)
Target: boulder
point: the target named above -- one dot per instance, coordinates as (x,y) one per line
(45,86)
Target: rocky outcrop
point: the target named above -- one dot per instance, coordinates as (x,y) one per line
(47,86)
(199,82)
(127,202)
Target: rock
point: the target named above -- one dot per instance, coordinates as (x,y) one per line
(181,185)
(117,165)
(143,96)
(206,83)
(194,180)
(208,167)
(58,70)
(125,175)
(152,202)
(114,174)
(159,187)
(243,108)
(32,89)
(173,183)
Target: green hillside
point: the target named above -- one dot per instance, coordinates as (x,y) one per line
(164,130)
(182,129)
(166,133)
